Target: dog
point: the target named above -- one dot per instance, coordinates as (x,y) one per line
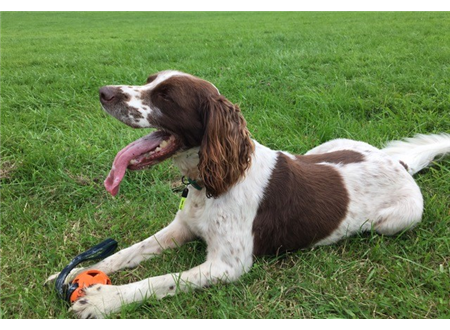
(242,198)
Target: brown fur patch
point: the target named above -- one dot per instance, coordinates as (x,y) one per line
(403,164)
(181,99)
(226,149)
(194,111)
(335,157)
(304,202)
(151,78)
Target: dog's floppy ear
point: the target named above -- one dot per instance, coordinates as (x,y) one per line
(226,147)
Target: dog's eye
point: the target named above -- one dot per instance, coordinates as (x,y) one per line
(165,96)
(164,92)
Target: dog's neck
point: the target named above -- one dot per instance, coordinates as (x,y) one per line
(187,163)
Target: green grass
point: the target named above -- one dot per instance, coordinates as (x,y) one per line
(300,79)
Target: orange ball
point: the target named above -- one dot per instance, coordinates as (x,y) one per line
(86,279)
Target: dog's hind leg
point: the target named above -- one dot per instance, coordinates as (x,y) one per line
(400,215)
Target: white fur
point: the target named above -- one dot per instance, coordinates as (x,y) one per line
(224,223)
(135,92)
(418,152)
(383,197)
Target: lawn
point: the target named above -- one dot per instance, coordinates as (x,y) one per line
(300,79)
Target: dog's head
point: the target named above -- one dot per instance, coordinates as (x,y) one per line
(187,112)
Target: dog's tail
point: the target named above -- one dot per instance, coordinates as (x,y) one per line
(418,152)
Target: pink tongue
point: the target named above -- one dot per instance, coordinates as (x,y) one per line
(131,151)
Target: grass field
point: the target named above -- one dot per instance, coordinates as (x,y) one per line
(300,80)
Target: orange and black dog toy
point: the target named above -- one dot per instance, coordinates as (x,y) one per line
(74,290)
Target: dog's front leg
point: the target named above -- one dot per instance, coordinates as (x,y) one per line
(101,300)
(175,234)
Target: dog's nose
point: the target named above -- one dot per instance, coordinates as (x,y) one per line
(107,94)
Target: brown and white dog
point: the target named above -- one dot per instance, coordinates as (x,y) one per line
(245,199)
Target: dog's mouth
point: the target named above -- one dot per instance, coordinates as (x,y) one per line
(140,154)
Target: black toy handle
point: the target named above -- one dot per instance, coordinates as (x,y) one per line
(99,251)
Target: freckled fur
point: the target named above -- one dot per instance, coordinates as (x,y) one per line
(254,200)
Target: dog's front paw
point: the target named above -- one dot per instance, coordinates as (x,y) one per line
(99,301)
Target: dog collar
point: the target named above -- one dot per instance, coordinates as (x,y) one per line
(193,183)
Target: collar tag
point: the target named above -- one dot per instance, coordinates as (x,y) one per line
(183,198)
